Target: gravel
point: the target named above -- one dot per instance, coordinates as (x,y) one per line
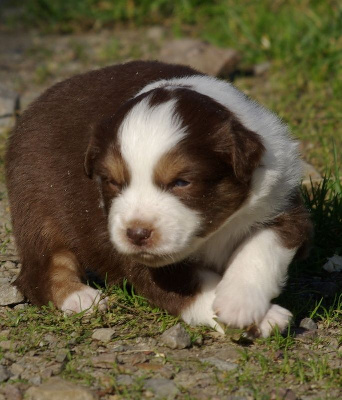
(220,364)
(176,337)
(9,295)
(4,374)
(162,388)
(308,323)
(103,334)
(58,389)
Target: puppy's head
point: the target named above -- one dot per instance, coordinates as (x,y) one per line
(172,165)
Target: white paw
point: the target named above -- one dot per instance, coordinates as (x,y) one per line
(200,311)
(85,299)
(275,316)
(239,306)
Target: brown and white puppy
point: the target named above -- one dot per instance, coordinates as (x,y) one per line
(166,177)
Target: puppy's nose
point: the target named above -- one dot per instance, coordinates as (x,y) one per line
(138,235)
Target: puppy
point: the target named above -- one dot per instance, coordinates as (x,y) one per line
(163,176)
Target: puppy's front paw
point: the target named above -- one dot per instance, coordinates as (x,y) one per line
(85,299)
(200,310)
(275,316)
(240,306)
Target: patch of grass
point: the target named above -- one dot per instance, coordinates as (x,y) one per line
(301,39)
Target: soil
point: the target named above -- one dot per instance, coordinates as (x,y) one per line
(137,365)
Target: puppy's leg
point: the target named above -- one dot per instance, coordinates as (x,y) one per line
(255,275)
(200,311)
(182,289)
(67,290)
(60,282)
(258,269)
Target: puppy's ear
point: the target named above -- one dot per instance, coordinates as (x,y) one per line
(92,152)
(243,147)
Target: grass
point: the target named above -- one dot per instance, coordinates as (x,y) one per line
(281,361)
(301,39)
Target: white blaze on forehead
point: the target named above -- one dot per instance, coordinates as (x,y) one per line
(146,134)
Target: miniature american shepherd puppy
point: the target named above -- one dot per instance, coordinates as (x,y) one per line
(165,177)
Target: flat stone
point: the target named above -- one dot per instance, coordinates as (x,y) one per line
(125,380)
(11,392)
(17,369)
(162,388)
(219,364)
(4,374)
(104,360)
(103,334)
(10,295)
(62,355)
(7,345)
(334,264)
(202,56)
(283,394)
(176,337)
(58,389)
(308,323)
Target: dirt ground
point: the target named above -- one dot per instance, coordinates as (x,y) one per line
(41,349)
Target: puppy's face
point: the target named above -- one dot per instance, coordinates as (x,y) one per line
(172,166)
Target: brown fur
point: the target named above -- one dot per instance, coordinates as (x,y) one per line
(69,135)
(294,227)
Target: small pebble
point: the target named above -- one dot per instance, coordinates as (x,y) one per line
(162,388)
(219,364)
(176,337)
(4,374)
(308,323)
(103,334)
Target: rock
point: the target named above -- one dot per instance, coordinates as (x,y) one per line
(334,264)
(283,394)
(176,337)
(8,265)
(4,374)
(125,380)
(7,345)
(104,360)
(62,355)
(20,306)
(201,56)
(10,295)
(11,392)
(162,388)
(8,101)
(17,369)
(103,334)
(308,323)
(58,389)
(219,364)
(35,380)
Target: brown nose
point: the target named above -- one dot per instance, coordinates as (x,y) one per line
(138,235)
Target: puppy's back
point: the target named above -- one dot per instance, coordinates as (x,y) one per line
(53,203)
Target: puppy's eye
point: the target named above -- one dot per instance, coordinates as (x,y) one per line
(180,183)
(112,183)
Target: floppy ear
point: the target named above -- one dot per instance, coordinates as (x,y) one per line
(243,147)
(92,152)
